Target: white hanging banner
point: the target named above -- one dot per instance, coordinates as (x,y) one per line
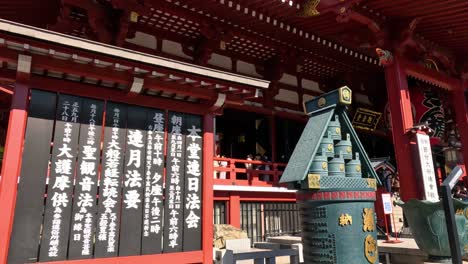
(427,168)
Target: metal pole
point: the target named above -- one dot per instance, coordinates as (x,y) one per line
(451,224)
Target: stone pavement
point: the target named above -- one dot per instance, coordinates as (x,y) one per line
(401,253)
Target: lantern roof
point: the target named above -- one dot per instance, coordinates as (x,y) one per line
(321,110)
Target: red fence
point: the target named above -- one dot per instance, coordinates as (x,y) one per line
(247,172)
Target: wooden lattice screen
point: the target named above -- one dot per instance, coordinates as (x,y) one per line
(98,189)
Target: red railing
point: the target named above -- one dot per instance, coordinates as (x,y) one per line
(247,172)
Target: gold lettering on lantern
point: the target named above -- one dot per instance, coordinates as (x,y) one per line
(345,219)
(372,183)
(314,181)
(368,220)
(370,249)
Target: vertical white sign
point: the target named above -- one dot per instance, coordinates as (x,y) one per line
(427,168)
(387,203)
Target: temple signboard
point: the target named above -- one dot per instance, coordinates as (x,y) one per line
(104,196)
(366,119)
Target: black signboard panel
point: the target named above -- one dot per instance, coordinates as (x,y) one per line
(109,203)
(29,207)
(192,220)
(84,203)
(154,175)
(133,183)
(174,192)
(57,213)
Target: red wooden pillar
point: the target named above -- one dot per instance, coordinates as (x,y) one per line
(13,150)
(208,154)
(234,210)
(461,115)
(402,121)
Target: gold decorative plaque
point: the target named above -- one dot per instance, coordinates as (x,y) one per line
(345,219)
(368,220)
(345,95)
(314,181)
(372,183)
(370,249)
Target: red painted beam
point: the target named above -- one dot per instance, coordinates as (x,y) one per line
(208,154)
(459,99)
(402,121)
(12,159)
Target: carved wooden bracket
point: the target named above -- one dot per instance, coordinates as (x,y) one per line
(317,7)
(385,57)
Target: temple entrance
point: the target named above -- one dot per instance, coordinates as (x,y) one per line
(237,134)
(240,134)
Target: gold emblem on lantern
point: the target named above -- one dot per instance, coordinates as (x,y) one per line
(372,183)
(368,220)
(345,219)
(324,165)
(370,249)
(348,149)
(322,102)
(341,167)
(314,181)
(330,147)
(337,130)
(358,168)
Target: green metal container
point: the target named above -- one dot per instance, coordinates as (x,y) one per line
(319,165)
(338,228)
(334,128)
(426,220)
(326,146)
(344,147)
(353,167)
(336,167)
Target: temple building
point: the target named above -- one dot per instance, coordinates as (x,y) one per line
(128,127)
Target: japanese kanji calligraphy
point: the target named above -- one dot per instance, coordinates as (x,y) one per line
(153,201)
(108,219)
(59,198)
(84,204)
